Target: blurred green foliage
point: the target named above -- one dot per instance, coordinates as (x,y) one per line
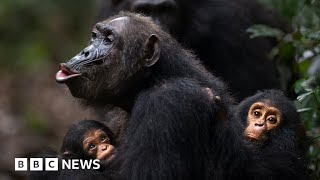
(35,122)
(34,31)
(298,52)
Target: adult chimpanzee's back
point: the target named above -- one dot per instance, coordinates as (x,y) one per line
(216,31)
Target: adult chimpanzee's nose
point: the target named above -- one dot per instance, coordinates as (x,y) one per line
(87,52)
(85,55)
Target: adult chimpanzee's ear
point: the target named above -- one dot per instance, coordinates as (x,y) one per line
(151,50)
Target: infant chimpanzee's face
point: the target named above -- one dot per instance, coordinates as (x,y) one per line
(96,144)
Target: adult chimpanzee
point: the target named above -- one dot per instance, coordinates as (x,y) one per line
(171,132)
(174,130)
(272,125)
(216,31)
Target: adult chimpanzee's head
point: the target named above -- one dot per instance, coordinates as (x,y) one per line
(121,48)
(269,114)
(88,139)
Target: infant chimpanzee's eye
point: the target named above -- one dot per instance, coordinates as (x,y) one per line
(104,138)
(91,146)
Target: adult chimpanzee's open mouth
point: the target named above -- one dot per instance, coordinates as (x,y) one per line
(65,74)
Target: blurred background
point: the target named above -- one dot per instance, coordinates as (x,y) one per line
(35,36)
(35,111)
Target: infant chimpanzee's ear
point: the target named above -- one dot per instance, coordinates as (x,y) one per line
(66,154)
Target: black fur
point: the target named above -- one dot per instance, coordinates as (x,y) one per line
(286,144)
(184,136)
(174,130)
(73,139)
(116,119)
(216,31)
(73,142)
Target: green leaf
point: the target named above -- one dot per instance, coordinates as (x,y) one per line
(287,8)
(314,36)
(296,35)
(303,96)
(304,110)
(260,30)
(297,86)
(304,66)
(310,84)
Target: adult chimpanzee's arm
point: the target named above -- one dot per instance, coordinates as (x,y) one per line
(169,132)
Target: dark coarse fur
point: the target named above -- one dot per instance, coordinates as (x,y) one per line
(183,136)
(74,137)
(40,175)
(216,31)
(286,144)
(116,119)
(174,131)
(73,143)
(67,174)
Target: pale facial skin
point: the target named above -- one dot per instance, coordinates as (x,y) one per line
(97,145)
(261,119)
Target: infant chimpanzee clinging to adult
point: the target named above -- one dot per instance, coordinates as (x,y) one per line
(89,139)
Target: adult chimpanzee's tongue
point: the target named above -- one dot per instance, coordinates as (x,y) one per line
(64,74)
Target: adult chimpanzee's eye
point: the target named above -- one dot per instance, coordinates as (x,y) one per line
(109,38)
(93,35)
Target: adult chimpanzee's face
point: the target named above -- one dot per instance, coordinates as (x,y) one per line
(97,65)
(119,49)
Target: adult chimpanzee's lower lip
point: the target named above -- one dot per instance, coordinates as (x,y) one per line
(64,74)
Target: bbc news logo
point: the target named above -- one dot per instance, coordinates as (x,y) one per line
(52,164)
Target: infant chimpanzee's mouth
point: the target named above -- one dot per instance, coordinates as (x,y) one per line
(65,74)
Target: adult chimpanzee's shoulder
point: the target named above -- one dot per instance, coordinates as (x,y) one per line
(177,108)
(172,91)
(171,97)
